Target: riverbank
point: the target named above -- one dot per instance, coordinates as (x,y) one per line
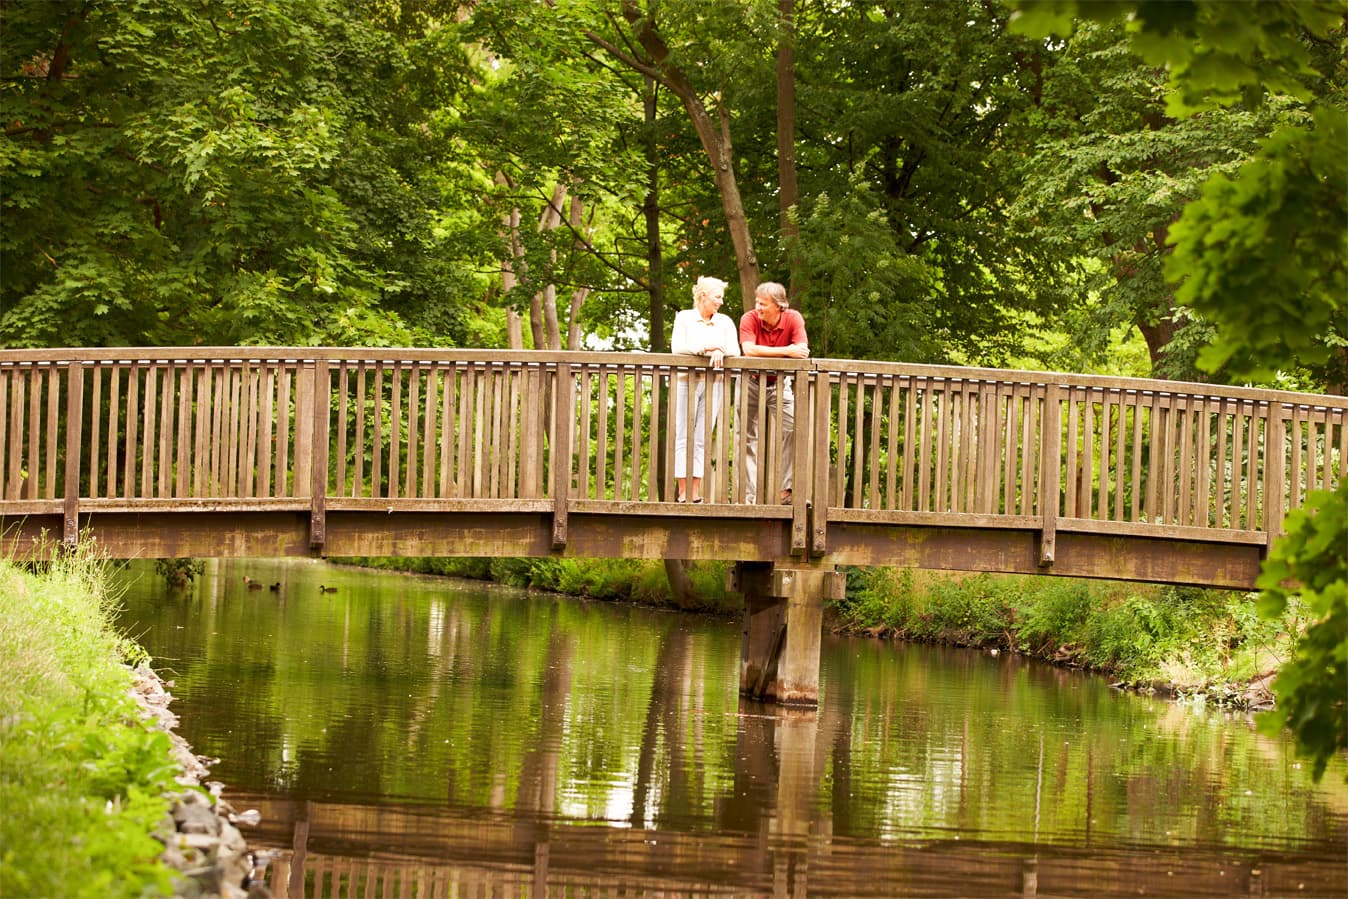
(101,799)
(1182,642)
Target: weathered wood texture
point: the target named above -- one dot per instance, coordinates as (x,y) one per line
(97,432)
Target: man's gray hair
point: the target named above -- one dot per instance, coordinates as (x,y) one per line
(775,292)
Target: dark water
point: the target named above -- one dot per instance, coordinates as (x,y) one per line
(417,737)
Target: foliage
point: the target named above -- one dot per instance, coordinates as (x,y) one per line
(1200,641)
(1311,562)
(1276,231)
(82,777)
(179,572)
(224,173)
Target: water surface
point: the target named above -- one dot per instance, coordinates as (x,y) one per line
(410,736)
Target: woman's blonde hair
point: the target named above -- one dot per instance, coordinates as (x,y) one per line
(706,284)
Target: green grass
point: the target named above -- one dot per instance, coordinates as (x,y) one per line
(1192,640)
(83,779)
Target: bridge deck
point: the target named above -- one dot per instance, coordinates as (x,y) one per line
(303,451)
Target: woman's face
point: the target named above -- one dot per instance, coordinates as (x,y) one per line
(708,301)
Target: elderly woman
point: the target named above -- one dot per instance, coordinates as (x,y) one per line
(700,331)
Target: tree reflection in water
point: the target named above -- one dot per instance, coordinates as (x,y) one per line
(417,737)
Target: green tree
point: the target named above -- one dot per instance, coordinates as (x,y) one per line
(241,172)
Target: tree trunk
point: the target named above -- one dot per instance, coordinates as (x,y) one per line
(788,193)
(650,210)
(579,294)
(714,136)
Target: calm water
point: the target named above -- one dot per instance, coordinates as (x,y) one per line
(418,737)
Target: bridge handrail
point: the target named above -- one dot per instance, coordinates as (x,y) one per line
(886,443)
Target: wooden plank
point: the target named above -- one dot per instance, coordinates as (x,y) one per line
(6,455)
(1168,467)
(1050,469)
(654,445)
(150,430)
(306,390)
(201,440)
(1251,480)
(1222,479)
(286,485)
(248,432)
(1120,454)
(858,445)
(1185,467)
(891,500)
(18,388)
(237,431)
(395,429)
(160,478)
(358,462)
(563,421)
(910,427)
(513,427)
(1203,457)
(723,489)
(668,487)
(923,488)
(343,410)
(110,476)
(620,437)
(464,431)
(318,424)
(481,416)
(1073,413)
(132,431)
(429,429)
(413,468)
(1274,472)
(940,498)
(377,420)
(873,454)
(823,397)
(1083,504)
(50,447)
(989,447)
(95,426)
(1031,450)
(497,443)
(70,491)
(583,438)
(1103,472)
(1296,428)
(266,420)
(1009,406)
(186,385)
(708,377)
(218,423)
(638,419)
(448,387)
(970,458)
(601,437)
(1238,469)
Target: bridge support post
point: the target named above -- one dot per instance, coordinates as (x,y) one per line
(783,619)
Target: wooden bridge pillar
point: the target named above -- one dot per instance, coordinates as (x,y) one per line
(783,619)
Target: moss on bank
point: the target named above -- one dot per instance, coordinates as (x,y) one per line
(83,778)
(1186,640)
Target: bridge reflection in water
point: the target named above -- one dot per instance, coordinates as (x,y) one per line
(238,451)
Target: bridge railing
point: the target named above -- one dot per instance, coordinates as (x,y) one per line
(93,430)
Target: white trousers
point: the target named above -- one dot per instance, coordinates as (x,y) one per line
(779,389)
(700,412)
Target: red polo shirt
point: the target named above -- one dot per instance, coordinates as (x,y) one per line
(790,329)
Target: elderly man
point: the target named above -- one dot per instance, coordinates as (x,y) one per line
(771,330)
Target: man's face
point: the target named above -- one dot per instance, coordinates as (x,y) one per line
(768,310)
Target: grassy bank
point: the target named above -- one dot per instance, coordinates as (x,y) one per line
(1191,641)
(639,581)
(82,777)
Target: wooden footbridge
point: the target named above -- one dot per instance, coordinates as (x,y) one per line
(243,451)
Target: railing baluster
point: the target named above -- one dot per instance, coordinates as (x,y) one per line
(74,446)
